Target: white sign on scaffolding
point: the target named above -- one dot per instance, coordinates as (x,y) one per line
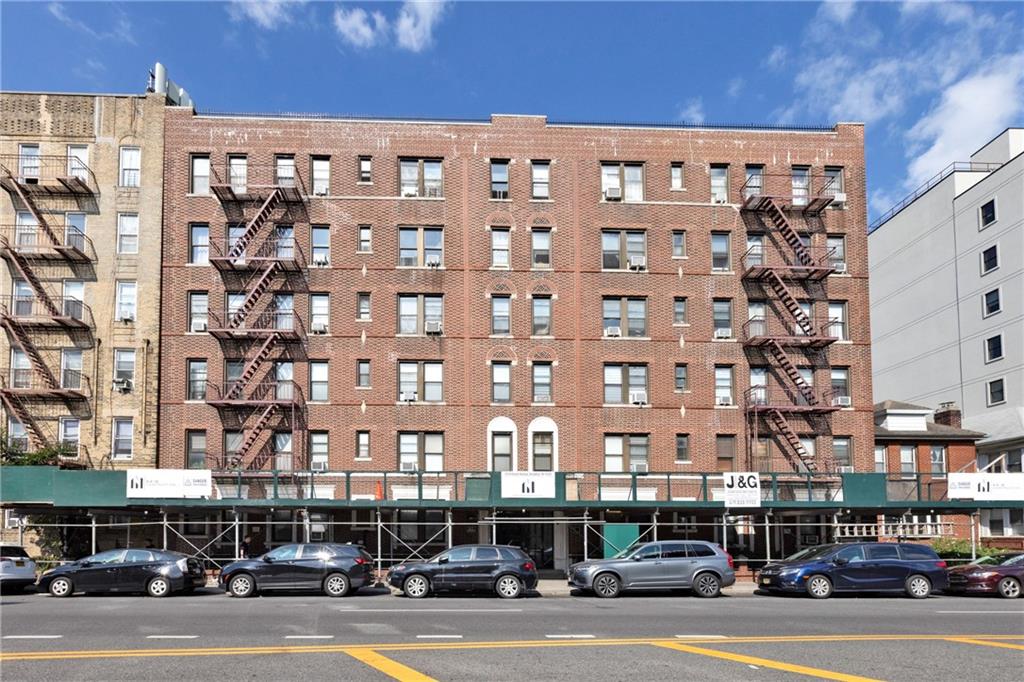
(169,483)
(986,487)
(528,484)
(741,489)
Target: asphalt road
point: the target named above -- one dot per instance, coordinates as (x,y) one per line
(376,636)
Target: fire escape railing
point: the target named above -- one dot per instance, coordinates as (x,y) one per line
(809,194)
(53,175)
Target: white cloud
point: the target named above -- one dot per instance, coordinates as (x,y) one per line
(414,28)
(267,14)
(359,28)
(735,87)
(837,10)
(120,30)
(776,59)
(692,111)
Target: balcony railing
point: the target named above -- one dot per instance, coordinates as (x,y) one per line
(823,262)
(284,393)
(26,382)
(809,193)
(285,323)
(30,311)
(31,241)
(760,330)
(256,181)
(785,399)
(283,250)
(49,174)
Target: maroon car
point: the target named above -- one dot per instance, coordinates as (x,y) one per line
(1003,576)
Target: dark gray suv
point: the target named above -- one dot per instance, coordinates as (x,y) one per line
(700,566)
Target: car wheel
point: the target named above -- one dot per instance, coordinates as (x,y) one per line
(416,587)
(336,585)
(158,587)
(707,585)
(242,585)
(607,586)
(62,587)
(819,587)
(918,586)
(508,587)
(1009,588)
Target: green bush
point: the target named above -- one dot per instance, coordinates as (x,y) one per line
(956,548)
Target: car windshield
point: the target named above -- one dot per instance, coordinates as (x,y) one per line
(629,550)
(811,553)
(9,552)
(1012,560)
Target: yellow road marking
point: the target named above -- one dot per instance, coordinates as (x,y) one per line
(439,646)
(766,663)
(387,666)
(1002,645)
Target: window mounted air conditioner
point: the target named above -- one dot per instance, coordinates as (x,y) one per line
(638,468)
(319,466)
(840,268)
(723,333)
(846,470)
(126,318)
(123,385)
(724,401)
(638,262)
(410,192)
(839,197)
(613,194)
(199,325)
(318,327)
(407,466)
(842,401)
(542,398)
(432,327)
(321,260)
(719,200)
(613,332)
(407,396)
(638,397)
(433,261)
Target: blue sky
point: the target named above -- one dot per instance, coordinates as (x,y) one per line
(933,81)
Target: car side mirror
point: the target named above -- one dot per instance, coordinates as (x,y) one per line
(268,559)
(85,564)
(637,557)
(840,561)
(443,560)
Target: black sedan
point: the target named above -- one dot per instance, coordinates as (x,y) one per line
(154,571)
(507,571)
(334,568)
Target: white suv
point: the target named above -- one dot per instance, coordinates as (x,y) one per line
(17,571)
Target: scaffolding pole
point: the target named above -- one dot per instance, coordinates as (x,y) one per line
(92,519)
(164,529)
(235,513)
(494,526)
(974,536)
(725,532)
(586,532)
(654,524)
(380,549)
(449,524)
(767,539)
(305,525)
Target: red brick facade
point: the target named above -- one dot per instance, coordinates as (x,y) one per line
(576,215)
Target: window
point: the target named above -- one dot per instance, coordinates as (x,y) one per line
(908,460)
(421,177)
(130,167)
(622,181)
(618,248)
(71,368)
(994,348)
(321,176)
(28,160)
(69,430)
(501,451)
(501,312)
(422,381)
(620,380)
(632,310)
(195,449)
(363,305)
(319,449)
(238,173)
(679,310)
(836,245)
(682,448)
(719,183)
(682,379)
(284,170)
(723,384)
(834,186)
(198,310)
(196,380)
(837,320)
(319,312)
(543,451)
(198,244)
(420,246)
(541,176)
(676,175)
(126,293)
(74,228)
(721,260)
(542,316)
(626,452)
(420,451)
(501,382)
(754,184)
(500,247)
(320,239)
(880,464)
(318,378)
(542,382)
(200,175)
(284,311)
(801,185)
(365,239)
(679,243)
(721,313)
(842,451)
(365,169)
(124,364)
(725,452)
(499,179)
(362,445)
(996,392)
(127,232)
(122,438)
(990,259)
(363,373)
(414,310)
(840,381)
(938,461)
(540,248)
(282,447)
(991,303)
(17,435)
(987,213)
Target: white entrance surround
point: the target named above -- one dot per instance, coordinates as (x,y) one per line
(542,424)
(502,425)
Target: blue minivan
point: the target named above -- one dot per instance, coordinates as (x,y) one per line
(915,570)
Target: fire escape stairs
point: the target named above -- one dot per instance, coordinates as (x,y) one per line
(254,435)
(27,201)
(26,273)
(254,225)
(778,218)
(22,340)
(781,426)
(16,408)
(806,390)
(249,372)
(263,280)
(782,291)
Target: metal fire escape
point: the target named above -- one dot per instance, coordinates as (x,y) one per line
(38,253)
(259,261)
(776,272)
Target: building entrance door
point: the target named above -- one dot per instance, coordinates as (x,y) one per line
(536,539)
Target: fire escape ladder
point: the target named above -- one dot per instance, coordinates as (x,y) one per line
(22,340)
(249,372)
(782,427)
(263,280)
(254,432)
(26,200)
(25,271)
(782,291)
(806,390)
(781,223)
(254,225)
(17,409)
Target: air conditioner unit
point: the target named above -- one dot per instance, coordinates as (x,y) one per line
(407,466)
(321,260)
(407,396)
(719,200)
(638,397)
(318,466)
(613,332)
(542,398)
(410,193)
(638,262)
(126,318)
(499,194)
(318,327)
(320,192)
(846,470)
(839,197)
(432,327)
(434,192)
(123,385)
(613,194)
(724,400)
(433,261)
(842,401)
(839,268)
(199,325)
(638,468)
(723,333)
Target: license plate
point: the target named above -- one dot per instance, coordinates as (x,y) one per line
(19,564)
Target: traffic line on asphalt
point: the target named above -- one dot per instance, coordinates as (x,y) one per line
(33,636)
(388,666)
(172,636)
(765,663)
(1014,613)
(358,610)
(569,636)
(438,636)
(309,636)
(981,642)
(701,637)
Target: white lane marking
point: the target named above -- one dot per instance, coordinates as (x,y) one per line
(356,611)
(569,636)
(172,636)
(701,637)
(33,636)
(438,636)
(309,636)
(1014,613)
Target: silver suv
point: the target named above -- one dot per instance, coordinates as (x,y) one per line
(701,566)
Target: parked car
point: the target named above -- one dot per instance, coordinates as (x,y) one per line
(156,572)
(17,571)
(858,567)
(507,571)
(1002,576)
(335,568)
(700,566)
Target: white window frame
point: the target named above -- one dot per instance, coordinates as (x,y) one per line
(193,159)
(62,433)
(122,304)
(124,221)
(984,312)
(118,353)
(988,392)
(881,457)
(1002,350)
(995,210)
(981,260)
(113,438)
(123,171)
